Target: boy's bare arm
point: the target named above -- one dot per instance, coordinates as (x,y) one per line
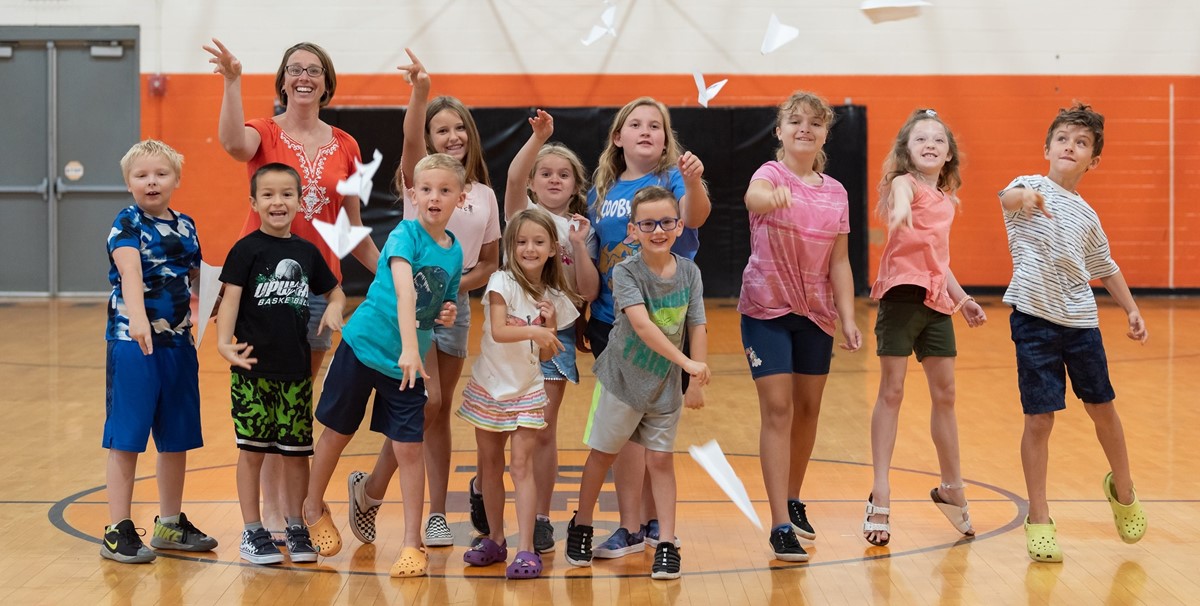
(1119,289)
(1024,199)
(332,318)
(406,315)
(237,354)
(654,338)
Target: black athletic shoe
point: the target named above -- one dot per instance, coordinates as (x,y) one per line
(478,513)
(579,543)
(123,543)
(786,546)
(800,521)
(543,536)
(666,562)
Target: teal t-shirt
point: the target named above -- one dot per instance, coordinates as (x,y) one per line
(373,332)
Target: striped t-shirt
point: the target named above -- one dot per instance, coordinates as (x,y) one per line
(1054,258)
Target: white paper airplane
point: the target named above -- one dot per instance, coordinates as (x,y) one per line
(360,184)
(777,35)
(341,236)
(210,287)
(607,19)
(711,459)
(879,11)
(707,92)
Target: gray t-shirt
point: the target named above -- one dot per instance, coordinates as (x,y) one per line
(634,373)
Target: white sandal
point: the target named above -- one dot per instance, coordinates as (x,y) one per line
(958,515)
(869,526)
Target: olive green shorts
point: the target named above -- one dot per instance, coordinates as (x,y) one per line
(905,325)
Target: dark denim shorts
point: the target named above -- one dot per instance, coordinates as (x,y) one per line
(1045,350)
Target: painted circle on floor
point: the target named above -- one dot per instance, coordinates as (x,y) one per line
(710,525)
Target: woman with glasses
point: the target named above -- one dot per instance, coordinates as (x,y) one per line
(322,155)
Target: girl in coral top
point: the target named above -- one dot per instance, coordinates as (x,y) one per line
(918,296)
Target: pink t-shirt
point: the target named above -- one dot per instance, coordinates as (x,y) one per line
(790,248)
(920,256)
(319,175)
(475,223)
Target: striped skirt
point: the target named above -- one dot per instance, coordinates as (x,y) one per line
(483,411)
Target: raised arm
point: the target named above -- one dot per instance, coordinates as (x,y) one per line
(695,206)
(414,116)
(899,204)
(240,141)
(515,198)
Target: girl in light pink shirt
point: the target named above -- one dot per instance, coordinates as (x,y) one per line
(796,285)
(918,296)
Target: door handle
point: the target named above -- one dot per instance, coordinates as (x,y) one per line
(62,186)
(41,189)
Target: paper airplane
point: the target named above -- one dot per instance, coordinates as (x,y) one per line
(711,459)
(210,287)
(607,19)
(777,35)
(879,11)
(341,236)
(360,184)
(707,92)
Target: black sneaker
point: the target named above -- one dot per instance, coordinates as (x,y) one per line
(800,521)
(579,543)
(478,513)
(786,546)
(299,544)
(123,543)
(543,536)
(257,547)
(666,562)
(182,535)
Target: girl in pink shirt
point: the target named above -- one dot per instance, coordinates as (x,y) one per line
(797,283)
(918,296)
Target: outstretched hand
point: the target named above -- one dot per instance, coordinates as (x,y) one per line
(543,125)
(414,73)
(224,62)
(1033,201)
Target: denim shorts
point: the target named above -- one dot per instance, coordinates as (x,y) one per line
(316,309)
(1045,350)
(789,344)
(562,367)
(452,340)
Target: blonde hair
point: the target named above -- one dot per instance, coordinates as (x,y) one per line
(152,147)
(554,275)
(578,202)
(612,160)
(817,107)
(477,171)
(443,162)
(899,162)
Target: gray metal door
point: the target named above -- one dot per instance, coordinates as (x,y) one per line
(69,109)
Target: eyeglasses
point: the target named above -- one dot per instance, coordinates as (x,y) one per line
(649,225)
(313,71)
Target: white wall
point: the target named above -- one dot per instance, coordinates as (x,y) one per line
(656,36)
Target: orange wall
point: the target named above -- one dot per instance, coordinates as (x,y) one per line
(999,122)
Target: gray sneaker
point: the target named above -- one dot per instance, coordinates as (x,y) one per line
(543,536)
(181,535)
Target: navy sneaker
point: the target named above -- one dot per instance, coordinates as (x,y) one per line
(619,544)
(799,519)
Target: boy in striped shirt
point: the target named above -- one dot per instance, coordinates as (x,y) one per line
(1057,246)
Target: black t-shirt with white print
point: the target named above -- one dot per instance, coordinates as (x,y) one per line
(276,276)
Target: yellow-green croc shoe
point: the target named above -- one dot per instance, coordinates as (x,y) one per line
(1130,519)
(1041,543)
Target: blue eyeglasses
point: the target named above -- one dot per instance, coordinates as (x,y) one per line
(649,225)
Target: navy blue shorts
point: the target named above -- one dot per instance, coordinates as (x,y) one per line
(790,344)
(157,394)
(1045,350)
(398,413)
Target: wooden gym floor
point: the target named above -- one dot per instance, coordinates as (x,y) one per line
(52,500)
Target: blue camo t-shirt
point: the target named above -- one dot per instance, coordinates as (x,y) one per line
(169,250)
(609,220)
(373,332)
